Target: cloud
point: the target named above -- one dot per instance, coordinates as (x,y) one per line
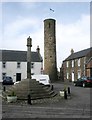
(75,35)
(16,34)
(18,26)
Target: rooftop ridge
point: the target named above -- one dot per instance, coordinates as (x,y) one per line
(78,54)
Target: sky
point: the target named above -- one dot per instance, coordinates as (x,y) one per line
(19,20)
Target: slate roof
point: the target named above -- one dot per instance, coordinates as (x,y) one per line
(21,56)
(89,60)
(79,54)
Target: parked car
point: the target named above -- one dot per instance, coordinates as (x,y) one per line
(7,80)
(83,81)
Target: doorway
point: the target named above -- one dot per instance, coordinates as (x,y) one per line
(18,77)
(72,76)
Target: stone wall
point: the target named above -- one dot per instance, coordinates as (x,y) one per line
(74,69)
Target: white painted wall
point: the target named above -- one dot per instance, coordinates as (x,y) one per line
(11,69)
(37,68)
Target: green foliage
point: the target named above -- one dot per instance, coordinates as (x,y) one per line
(12,94)
(65,88)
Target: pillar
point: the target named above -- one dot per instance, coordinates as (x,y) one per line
(29,45)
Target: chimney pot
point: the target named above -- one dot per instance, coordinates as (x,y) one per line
(72,51)
(38,49)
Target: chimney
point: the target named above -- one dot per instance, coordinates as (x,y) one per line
(72,51)
(38,49)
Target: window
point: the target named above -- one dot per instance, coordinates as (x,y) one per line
(84,64)
(79,73)
(3,75)
(4,65)
(72,63)
(67,75)
(18,64)
(32,65)
(67,64)
(78,62)
(41,70)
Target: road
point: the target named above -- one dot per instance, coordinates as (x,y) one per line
(78,106)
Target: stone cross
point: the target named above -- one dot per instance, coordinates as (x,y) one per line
(29,45)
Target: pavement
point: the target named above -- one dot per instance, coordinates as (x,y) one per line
(44,112)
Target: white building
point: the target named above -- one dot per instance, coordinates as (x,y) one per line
(14,63)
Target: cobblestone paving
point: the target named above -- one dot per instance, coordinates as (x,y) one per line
(76,106)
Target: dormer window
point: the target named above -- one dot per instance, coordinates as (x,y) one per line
(49,25)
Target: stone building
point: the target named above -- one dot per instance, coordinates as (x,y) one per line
(77,65)
(89,68)
(50,63)
(89,64)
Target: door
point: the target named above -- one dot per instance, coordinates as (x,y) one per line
(18,77)
(72,76)
(79,74)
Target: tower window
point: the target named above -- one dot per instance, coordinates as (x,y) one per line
(49,25)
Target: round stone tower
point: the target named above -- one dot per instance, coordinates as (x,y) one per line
(50,64)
